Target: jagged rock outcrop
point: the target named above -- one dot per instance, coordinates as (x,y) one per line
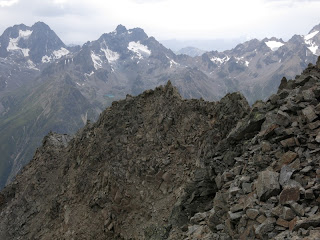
(135,173)
(156,166)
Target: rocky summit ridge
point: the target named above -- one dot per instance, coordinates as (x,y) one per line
(157,166)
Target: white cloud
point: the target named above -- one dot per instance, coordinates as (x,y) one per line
(8,3)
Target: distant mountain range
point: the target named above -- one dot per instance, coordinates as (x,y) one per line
(46,85)
(191,51)
(205,44)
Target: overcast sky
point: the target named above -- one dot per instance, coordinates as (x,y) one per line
(77,21)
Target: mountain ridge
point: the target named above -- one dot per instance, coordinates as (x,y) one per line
(128,62)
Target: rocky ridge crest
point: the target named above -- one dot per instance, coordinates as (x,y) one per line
(134,173)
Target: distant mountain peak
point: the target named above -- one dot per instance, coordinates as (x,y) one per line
(121,29)
(40,25)
(33,43)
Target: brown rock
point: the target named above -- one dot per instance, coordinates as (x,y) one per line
(295,164)
(282,222)
(290,193)
(313,221)
(236,208)
(166,177)
(293,223)
(249,200)
(286,159)
(314,125)
(261,219)
(269,131)
(290,142)
(277,211)
(265,146)
(252,213)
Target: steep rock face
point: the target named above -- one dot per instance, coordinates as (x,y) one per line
(135,173)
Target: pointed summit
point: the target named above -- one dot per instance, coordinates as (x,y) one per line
(121,29)
(138,33)
(40,26)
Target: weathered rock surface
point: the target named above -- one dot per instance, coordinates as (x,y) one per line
(156,166)
(135,173)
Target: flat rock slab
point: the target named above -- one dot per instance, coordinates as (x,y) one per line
(267,185)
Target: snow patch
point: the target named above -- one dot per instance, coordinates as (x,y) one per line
(97,62)
(311,35)
(13,42)
(274,45)
(25,51)
(25,34)
(312,45)
(313,48)
(242,61)
(90,74)
(46,59)
(218,60)
(172,62)
(32,65)
(139,49)
(110,55)
(57,54)
(60,53)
